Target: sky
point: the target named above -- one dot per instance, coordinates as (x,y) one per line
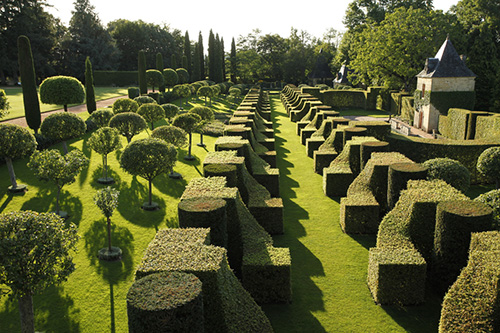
(227,18)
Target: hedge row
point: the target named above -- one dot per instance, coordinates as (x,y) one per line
(264,269)
(398,265)
(115,78)
(472,302)
(407,109)
(488,127)
(227,305)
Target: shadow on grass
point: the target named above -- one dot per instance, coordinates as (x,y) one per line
(131,199)
(8,198)
(367,241)
(181,153)
(171,187)
(98,174)
(87,152)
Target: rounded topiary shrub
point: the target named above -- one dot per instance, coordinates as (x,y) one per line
(101,117)
(151,112)
(492,199)
(62,90)
(488,164)
(144,99)
(125,105)
(133,92)
(63,126)
(205,213)
(166,302)
(451,171)
(171,110)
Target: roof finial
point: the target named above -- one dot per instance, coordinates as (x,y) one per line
(447,36)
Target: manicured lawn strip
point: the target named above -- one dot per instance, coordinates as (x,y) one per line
(15,99)
(328,267)
(94,297)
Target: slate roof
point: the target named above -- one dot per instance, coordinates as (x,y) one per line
(446,63)
(342,75)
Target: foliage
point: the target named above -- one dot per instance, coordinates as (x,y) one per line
(183,75)
(126,105)
(171,134)
(151,112)
(116,79)
(105,140)
(41,245)
(171,110)
(29,86)
(141,68)
(107,200)
(89,87)
(182,90)
(133,92)
(451,171)
(16,141)
(143,100)
(62,90)
(63,126)
(189,122)
(128,124)
(488,164)
(205,91)
(154,78)
(160,67)
(171,77)
(492,199)
(101,117)
(4,104)
(205,113)
(233,64)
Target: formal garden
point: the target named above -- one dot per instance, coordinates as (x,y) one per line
(248,196)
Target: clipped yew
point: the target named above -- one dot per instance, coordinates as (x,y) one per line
(128,124)
(488,164)
(206,115)
(183,91)
(15,142)
(62,90)
(154,78)
(190,123)
(29,86)
(141,65)
(4,104)
(175,136)
(183,75)
(205,91)
(144,100)
(104,141)
(451,171)
(107,201)
(63,126)
(36,251)
(89,87)
(170,76)
(151,112)
(101,117)
(148,158)
(49,165)
(125,105)
(171,110)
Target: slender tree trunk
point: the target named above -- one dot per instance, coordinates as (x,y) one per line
(105,166)
(109,234)
(27,314)
(57,200)
(189,150)
(65,147)
(66,107)
(201,139)
(129,139)
(150,193)
(152,126)
(12,175)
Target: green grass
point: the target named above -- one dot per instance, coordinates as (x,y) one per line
(93,298)
(15,99)
(329,268)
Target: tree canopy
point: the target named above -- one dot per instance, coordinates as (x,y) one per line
(62,90)
(128,124)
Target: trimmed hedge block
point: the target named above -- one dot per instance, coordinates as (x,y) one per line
(359,214)
(166,302)
(369,147)
(222,170)
(399,175)
(378,129)
(396,276)
(323,158)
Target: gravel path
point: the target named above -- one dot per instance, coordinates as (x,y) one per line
(74,109)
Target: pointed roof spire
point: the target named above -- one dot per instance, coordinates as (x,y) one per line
(446,63)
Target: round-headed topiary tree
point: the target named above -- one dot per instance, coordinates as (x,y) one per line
(128,124)
(171,110)
(101,117)
(4,104)
(62,90)
(41,246)
(50,165)
(189,122)
(492,199)
(206,115)
(107,201)
(234,93)
(104,141)
(183,75)
(63,126)
(170,76)
(15,142)
(451,171)
(148,158)
(175,136)
(151,112)
(125,105)
(154,78)
(144,99)
(205,91)
(183,91)
(488,164)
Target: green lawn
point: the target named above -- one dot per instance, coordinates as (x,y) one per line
(329,268)
(15,99)
(94,297)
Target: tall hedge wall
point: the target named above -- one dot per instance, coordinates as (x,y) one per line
(407,109)
(488,128)
(115,78)
(341,99)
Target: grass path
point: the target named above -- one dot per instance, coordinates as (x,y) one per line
(328,267)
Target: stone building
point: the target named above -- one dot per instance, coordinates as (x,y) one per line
(445,82)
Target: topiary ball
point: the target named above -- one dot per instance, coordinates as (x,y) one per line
(492,199)
(451,171)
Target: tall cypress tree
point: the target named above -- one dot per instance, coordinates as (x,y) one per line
(184,62)
(160,67)
(211,56)
(89,87)
(196,63)
(173,61)
(232,61)
(30,95)
(187,52)
(141,65)
(223,59)
(202,57)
